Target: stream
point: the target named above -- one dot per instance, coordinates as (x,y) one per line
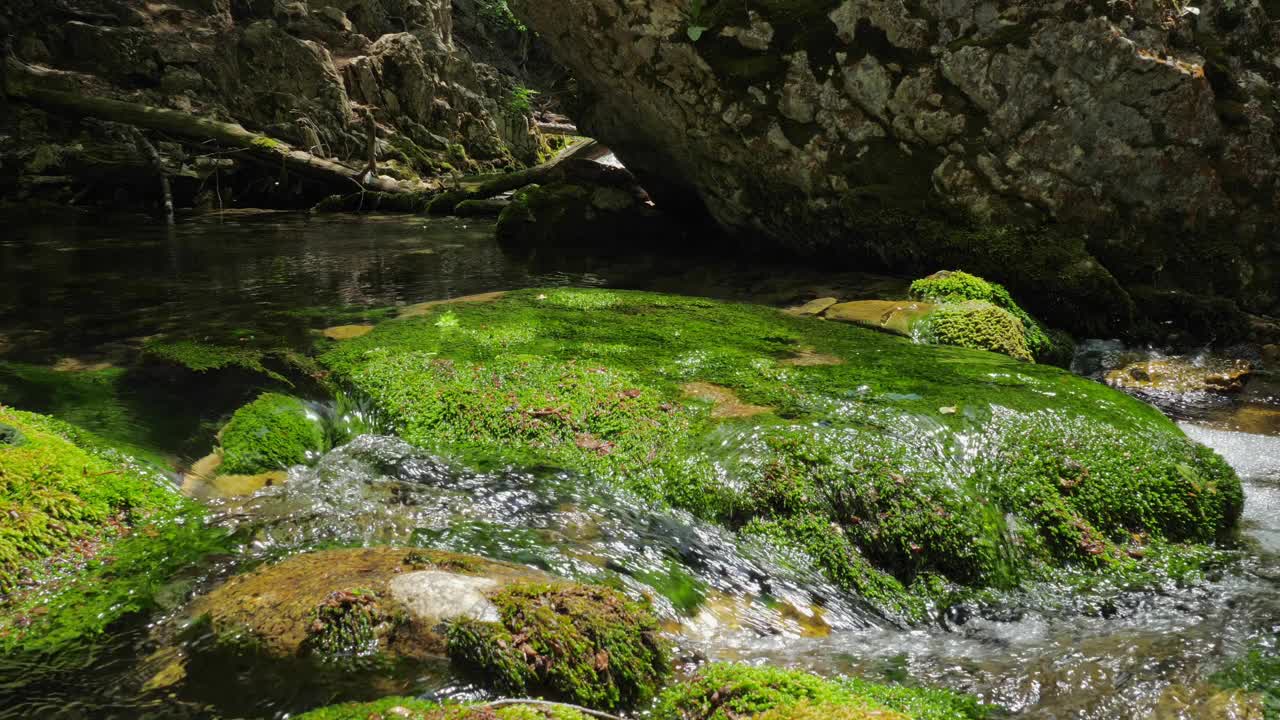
(82,296)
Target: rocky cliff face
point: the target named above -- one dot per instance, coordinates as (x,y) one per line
(1070,148)
(300,71)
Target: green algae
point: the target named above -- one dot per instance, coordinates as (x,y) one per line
(96,535)
(274,432)
(937,465)
(727,691)
(586,644)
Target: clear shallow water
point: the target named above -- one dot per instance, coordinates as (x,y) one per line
(80,296)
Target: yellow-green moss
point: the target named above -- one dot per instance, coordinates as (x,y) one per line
(729,691)
(979,325)
(91,533)
(956,286)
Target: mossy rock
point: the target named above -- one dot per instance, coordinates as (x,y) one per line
(979,325)
(276,611)
(274,432)
(728,691)
(91,534)
(949,287)
(588,645)
(404,708)
(900,469)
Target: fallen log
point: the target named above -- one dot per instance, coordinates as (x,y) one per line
(166,193)
(37,87)
(446,203)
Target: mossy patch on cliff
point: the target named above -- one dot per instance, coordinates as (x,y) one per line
(727,691)
(274,432)
(586,644)
(910,458)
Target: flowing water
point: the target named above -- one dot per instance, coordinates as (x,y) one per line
(77,298)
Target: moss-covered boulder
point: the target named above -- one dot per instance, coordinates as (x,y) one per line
(728,691)
(900,469)
(959,287)
(588,645)
(715,692)
(274,432)
(90,534)
(371,610)
(956,308)
(979,325)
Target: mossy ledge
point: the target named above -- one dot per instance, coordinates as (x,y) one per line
(91,535)
(901,471)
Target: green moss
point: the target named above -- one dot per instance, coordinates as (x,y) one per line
(893,470)
(56,495)
(979,325)
(345,626)
(728,691)
(263,142)
(203,357)
(1257,672)
(957,286)
(274,432)
(588,645)
(402,708)
(97,533)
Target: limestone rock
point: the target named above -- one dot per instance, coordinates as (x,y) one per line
(1086,145)
(895,316)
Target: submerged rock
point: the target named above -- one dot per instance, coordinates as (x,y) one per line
(901,470)
(406,708)
(586,205)
(897,317)
(512,627)
(1180,375)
